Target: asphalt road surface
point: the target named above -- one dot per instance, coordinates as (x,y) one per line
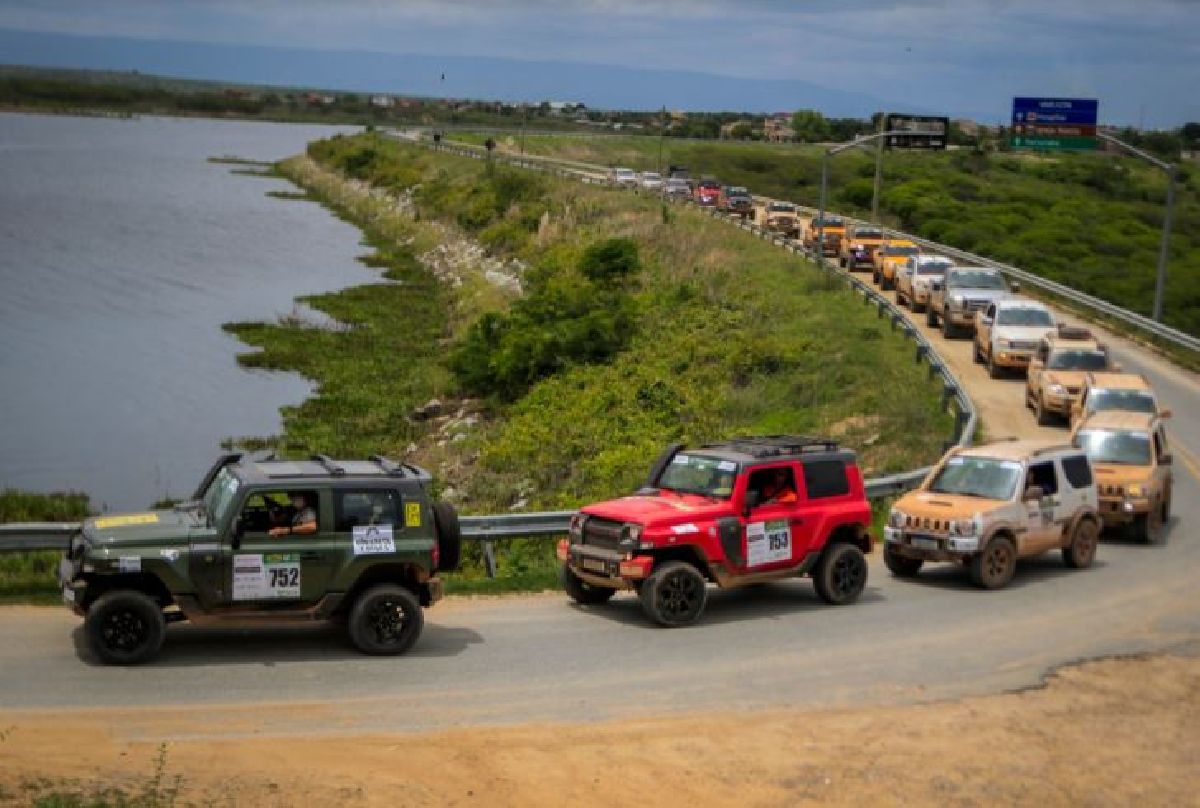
(514,659)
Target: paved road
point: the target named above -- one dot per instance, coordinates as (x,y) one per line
(505,660)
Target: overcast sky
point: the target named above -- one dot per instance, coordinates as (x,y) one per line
(965,58)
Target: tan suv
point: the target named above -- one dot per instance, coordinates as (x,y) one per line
(987,506)
(1133,469)
(1128,392)
(1056,372)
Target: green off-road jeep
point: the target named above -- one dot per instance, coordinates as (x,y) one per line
(239,554)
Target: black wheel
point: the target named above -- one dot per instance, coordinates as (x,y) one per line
(841,574)
(993,568)
(901,300)
(1082,549)
(931,319)
(915,306)
(875,277)
(674,595)
(886,285)
(900,566)
(125,627)
(581,591)
(385,619)
(1044,417)
(449,536)
(976,354)
(994,370)
(947,327)
(1148,527)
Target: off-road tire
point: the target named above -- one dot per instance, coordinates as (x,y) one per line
(994,565)
(125,627)
(581,591)
(385,620)
(931,318)
(994,370)
(674,595)
(916,307)
(1043,416)
(876,278)
(841,574)
(976,354)
(449,536)
(899,565)
(1148,527)
(901,300)
(1081,552)
(947,327)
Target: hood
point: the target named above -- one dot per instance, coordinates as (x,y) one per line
(1025,333)
(940,507)
(1120,474)
(968,293)
(1067,378)
(146,528)
(656,510)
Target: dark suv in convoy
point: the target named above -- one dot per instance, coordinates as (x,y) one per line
(736,513)
(234,556)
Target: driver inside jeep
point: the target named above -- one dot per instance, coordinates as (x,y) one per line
(304,518)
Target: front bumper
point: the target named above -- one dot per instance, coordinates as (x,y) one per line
(961,317)
(73,588)
(601,567)
(1058,404)
(1122,510)
(929,546)
(1011,358)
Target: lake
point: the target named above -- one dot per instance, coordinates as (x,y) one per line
(122,251)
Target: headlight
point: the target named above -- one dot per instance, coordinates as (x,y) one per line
(963,527)
(1136,491)
(895,519)
(1057,390)
(1005,344)
(956,302)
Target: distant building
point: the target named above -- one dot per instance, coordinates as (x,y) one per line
(968,127)
(777,128)
(728,128)
(383,101)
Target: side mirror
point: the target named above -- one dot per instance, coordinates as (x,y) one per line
(1015,286)
(1167,460)
(1164,413)
(1033,493)
(751,501)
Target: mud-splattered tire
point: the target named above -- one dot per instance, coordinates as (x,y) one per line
(976,354)
(1148,527)
(581,591)
(993,567)
(385,620)
(947,327)
(899,565)
(1082,550)
(674,595)
(931,319)
(994,370)
(1043,416)
(125,627)
(841,574)
(449,536)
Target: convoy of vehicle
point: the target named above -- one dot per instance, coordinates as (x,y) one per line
(650,181)
(623,178)
(742,512)
(985,507)
(708,193)
(366,556)
(677,188)
(782,218)
(834,232)
(1056,372)
(736,201)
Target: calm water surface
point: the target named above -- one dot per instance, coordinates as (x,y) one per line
(122,251)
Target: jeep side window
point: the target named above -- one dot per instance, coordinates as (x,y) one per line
(775,486)
(264,510)
(375,506)
(1077,471)
(825,478)
(1042,474)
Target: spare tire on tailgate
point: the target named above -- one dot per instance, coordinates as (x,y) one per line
(449,536)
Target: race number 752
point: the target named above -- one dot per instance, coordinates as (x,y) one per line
(284,577)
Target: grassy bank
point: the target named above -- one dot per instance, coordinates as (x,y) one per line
(29,577)
(1091,221)
(728,335)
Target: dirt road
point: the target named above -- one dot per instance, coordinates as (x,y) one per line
(1113,732)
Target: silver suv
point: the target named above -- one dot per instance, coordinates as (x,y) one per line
(964,291)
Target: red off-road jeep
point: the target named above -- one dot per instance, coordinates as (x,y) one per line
(743,512)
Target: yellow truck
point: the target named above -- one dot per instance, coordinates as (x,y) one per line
(1132,462)
(835,231)
(859,245)
(889,257)
(1054,381)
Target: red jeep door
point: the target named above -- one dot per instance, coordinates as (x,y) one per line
(775,533)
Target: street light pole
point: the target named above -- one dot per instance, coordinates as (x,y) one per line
(878,172)
(1172,171)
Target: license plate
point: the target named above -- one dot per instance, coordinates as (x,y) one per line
(924,543)
(592,565)
(68,595)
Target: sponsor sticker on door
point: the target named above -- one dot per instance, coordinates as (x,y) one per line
(272,576)
(768,542)
(373,539)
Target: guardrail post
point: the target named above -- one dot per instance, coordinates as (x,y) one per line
(948,392)
(489,558)
(960,424)
(922,352)
(880,308)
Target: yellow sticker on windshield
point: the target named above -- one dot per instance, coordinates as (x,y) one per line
(127,520)
(412,514)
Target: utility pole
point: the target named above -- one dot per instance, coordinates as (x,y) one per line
(662,136)
(1172,171)
(878,171)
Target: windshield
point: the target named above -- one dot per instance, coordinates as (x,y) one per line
(933,267)
(1124,400)
(1024,316)
(709,184)
(737,190)
(868,234)
(781,207)
(1111,446)
(219,496)
(977,477)
(696,474)
(976,280)
(650,175)
(1078,360)
(625,172)
(900,250)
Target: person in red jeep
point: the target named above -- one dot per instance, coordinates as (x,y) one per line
(741,512)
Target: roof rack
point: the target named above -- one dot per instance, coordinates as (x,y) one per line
(779,445)
(1073,332)
(390,467)
(330,465)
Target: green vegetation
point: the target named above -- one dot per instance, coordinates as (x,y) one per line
(721,334)
(155,791)
(30,576)
(1090,221)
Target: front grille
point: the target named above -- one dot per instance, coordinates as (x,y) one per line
(604,533)
(925,523)
(1024,345)
(975,305)
(1111,490)
(1074,390)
